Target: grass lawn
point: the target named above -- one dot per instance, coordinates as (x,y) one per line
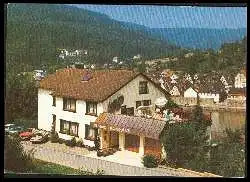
(43,167)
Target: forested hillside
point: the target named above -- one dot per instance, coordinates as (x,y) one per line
(199,38)
(35,31)
(231,57)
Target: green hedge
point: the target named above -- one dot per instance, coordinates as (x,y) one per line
(150,161)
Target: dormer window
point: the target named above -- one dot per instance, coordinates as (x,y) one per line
(86,77)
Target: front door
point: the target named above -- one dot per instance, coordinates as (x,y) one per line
(132,143)
(114,139)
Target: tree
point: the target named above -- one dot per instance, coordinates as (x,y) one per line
(142,67)
(20,96)
(186,143)
(15,158)
(228,158)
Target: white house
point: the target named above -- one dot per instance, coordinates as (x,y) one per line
(138,56)
(175,91)
(72,99)
(240,80)
(190,92)
(115,59)
(39,74)
(190,54)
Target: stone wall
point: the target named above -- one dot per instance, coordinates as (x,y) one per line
(209,102)
(193,101)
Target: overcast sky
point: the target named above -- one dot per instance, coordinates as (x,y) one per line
(175,16)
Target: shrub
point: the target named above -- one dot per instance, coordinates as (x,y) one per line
(71,142)
(54,137)
(150,161)
(100,172)
(172,104)
(90,148)
(99,153)
(60,141)
(97,143)
(79,143)
(105,153)
(15,158)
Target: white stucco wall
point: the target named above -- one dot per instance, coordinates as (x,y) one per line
(190,93)
(45,108)
(240,81)
(216,97)
(174,91)
(131,93)
(45,111)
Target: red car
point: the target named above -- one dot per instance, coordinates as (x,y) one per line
(26,135)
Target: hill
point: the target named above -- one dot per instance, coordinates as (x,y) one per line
(192,38)
(36,31)
(230,58)
(199,38)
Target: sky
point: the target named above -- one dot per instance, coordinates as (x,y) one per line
(175,16)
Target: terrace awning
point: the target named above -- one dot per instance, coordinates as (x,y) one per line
(150,128)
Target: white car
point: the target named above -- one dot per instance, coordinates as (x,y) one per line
(12,129)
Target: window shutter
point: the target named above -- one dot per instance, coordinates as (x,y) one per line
(96,132)
(86,131)
(87,107)
(61,125)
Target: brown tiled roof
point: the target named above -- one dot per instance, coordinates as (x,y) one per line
(150,128)
(103,83)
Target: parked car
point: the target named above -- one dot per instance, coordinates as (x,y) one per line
(13,129)
(26,135)
(41,137)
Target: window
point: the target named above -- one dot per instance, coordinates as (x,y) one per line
(130,111)
(69,105)
(123,110)
(143,103)
(91,108)
(143,87)
(54,101)
(90,132)
(138,103)
(69,128)
(147,102)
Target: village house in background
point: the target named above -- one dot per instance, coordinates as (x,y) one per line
(214,89)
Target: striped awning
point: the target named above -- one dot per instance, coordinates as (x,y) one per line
(150,128)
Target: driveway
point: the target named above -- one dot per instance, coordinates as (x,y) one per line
(122,157)
(120,164)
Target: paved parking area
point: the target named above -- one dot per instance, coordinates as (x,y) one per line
(60,147)
(122,157)
(119,164)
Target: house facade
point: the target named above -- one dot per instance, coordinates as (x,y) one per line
(237,94)
(190,92)
(240,80)
(72,99)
